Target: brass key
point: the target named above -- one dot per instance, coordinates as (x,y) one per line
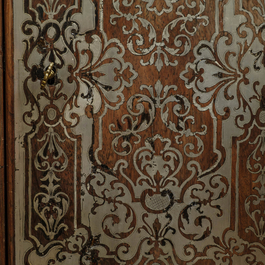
(48,74)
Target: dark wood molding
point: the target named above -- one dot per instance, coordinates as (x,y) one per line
(2,149)
(9,128)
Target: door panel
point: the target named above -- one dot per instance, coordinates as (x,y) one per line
(139,130)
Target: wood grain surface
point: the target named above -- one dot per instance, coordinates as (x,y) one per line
(2,150)
(146,145)
(9,130)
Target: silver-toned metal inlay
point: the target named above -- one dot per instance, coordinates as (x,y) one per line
(262,116)
(157,202)
(51,32)
(51,113)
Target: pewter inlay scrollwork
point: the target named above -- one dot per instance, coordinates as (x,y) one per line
(161,54)
(151,132)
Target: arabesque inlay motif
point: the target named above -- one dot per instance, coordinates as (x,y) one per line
(161,51)
(146,145)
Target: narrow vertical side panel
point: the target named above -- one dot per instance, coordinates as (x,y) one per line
(2,150)
(9,129)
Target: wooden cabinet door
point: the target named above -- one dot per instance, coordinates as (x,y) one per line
(139,131)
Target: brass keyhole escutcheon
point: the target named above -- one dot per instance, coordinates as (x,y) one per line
(48,74)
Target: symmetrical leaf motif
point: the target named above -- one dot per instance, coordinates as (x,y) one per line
(51,149)
(151,6)
(170,210)
(162,54)
(51,8)
(157,168)
(51,207)
(89,72)
(144,113)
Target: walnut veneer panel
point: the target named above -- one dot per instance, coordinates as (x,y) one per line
(147,144)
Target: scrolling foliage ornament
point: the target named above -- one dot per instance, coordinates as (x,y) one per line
(150,183)
(63,32)
(227,76)
(158,47)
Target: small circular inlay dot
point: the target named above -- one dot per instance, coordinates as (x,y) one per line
(51,113)
(262,116)
(51,32)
